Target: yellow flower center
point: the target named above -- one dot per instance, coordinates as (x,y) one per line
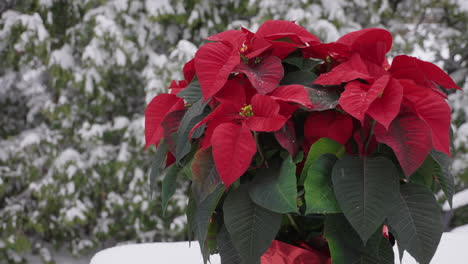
(244,48)
(246,111)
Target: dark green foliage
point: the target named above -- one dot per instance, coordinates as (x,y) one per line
(275,188)
(366,189)
(252,228)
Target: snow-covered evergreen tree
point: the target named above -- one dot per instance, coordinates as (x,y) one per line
(75,77)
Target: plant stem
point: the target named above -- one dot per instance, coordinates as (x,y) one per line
(260,150)
(371,132)
(293,223)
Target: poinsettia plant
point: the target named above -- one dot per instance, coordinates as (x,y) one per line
(297,147)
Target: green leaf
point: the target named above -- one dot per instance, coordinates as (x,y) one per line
(227,251)
(324,98)
(346,246)
(211,237)
(205,178)
(301,63)
(299,77)
(158,164)
(193,116)
(366,189)
(417,224)
(310,64)
(386,254)
(171,125)
(299,157)
(319,195)
(320,147)
(192,93)
(294,60)
(190,213)
(169,185)
(252,228)
(187,170)
(425,174)
(275,188)
(205,209)
(443,175)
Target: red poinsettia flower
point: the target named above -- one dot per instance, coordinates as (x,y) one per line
(257,55)
(374,89)
(232,142)
(369,89)
(230,125)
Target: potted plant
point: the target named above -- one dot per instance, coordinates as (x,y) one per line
(299,151)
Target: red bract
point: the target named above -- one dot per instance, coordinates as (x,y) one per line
(177,86)
(386,107)
(353,69)
(433,110)
(357,97)
(410,139)
(265,75)
(251,112)
(257,55)
(189,70)
(285,36)
(371,43)
(261,115)
(286,137)
(214,62)
(330,124)
(293,94)
(233,149)
(156,111)
(422,72)
(278,29)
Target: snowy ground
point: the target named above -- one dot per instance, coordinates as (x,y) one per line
(459,200)
(452,249)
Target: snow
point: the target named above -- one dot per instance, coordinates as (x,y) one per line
(460,230)
(46,3)
(185,50)
(120,57)
(463,4)
(30,138)
(120,122)
(152,253)
(120,5)
(76,212)
(88,131)
(333,9)
(460,199)
(452,249)
(124,154)
(159,7)
(68,155)
(63,57)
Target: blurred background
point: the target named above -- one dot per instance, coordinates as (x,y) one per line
(76,75)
